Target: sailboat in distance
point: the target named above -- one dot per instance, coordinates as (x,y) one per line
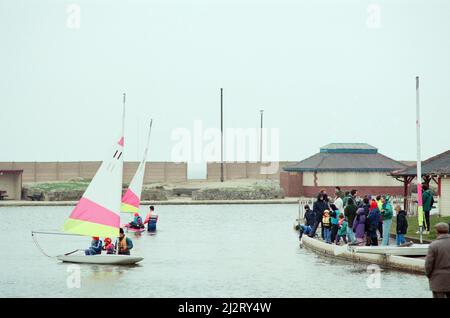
(131,200)
(98,211)
(132,197)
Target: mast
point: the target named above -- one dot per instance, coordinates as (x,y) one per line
(148,139)
(123,135)
(420,215)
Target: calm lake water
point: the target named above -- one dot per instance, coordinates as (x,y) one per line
(198,251)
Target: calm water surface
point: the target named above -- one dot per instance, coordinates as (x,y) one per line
(198,251)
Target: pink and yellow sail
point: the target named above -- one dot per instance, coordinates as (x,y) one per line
(98,211)
(132,197)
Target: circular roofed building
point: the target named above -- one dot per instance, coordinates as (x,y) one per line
(347,165)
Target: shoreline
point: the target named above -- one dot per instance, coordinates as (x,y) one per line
(186,201)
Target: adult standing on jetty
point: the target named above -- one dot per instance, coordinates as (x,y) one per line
(386,214)
(339,193)
(318,208)
(350,215)
(359,225)
(339,203)
(372,223)
(427,198)
(437,263)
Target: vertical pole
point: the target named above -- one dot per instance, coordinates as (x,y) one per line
(221,135)
(405,191)
(123,136)
(420,215)
(261,138)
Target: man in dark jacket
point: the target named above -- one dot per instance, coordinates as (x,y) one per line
(437,263)
(402,225)
(350,214)
(310,216)
(319,206)
(427,202)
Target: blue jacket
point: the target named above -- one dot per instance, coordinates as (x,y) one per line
(97,246)
(137,220)
(373,219)
(335,217)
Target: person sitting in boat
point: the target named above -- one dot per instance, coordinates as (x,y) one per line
(108,246)
(137,222)
(125,243)
(96,246)
(151,219)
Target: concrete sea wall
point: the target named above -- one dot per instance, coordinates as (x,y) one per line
(408,264)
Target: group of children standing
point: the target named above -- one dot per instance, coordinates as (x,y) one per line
(356,222)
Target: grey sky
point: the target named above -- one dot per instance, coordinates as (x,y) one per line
(321,74)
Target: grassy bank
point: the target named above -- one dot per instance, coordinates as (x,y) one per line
(413,226)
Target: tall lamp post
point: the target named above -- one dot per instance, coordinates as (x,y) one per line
(261,137)
(221,135)
(420,213)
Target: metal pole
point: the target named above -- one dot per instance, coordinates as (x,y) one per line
(261,138)
(221,135)
(419,165)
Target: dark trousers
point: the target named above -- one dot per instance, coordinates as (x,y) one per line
(441,294)
(314,228)
(380,229)
(338,238)
(373,238)
(427,220)
(334,231)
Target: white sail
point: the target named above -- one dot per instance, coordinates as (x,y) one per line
(132,197)
(98,211)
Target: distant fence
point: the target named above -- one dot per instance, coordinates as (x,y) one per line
(411,204)
(63,171)
(246,170)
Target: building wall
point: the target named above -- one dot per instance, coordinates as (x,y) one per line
(306,185)
(243,170)
(291,183)
(11,183)
(63,171)
(346,179)
(444,199)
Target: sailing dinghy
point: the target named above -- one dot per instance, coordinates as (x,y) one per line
(98,211)
(131,200)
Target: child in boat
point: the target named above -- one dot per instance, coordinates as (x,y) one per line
(125,243)
(137,222)
(342,232)
(96,246)
(326,224)
(108,246)
(402,225)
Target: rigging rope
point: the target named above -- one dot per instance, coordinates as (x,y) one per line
(55,233)
(39,247)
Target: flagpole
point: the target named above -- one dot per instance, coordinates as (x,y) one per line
(420,216)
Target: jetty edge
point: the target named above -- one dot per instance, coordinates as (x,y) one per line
(402,263)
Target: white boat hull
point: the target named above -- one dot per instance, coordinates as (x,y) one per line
(101,259)
(413,250)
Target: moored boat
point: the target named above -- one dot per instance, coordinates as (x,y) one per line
(412,250)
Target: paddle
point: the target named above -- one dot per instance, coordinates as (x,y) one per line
(73,252)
